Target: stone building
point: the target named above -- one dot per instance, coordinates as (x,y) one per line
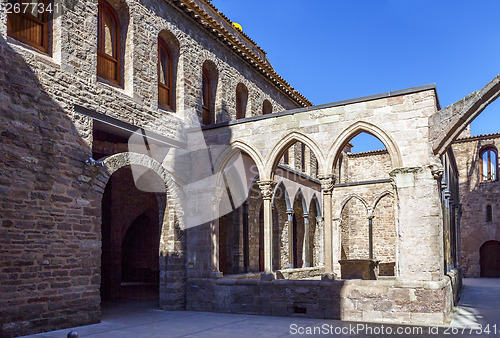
(151,143)
(477,160)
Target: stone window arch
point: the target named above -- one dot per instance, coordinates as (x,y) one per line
(108,45)
(208,91)
(267,107)
(28,25)
(165,75)
(489,164)
(241,100)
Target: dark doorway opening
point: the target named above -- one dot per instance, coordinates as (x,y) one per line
(490,259)
(130,241)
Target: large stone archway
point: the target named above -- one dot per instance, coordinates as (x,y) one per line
(171,247)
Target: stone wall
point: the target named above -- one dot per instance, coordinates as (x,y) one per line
(385,301)
(367,166)
(51,214)
(475,196)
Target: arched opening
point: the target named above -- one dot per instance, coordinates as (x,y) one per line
(113,64)
(490,259)
(363,158)
(241,101)
(354,230)
(168,57)
(210,76)
(384,235)
(267,107)
(315,230)
(489,164)
(280,210)
(368,219)
(240,228)
(130,239)
(298,236)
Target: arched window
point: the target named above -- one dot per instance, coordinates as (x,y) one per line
(108,51)
(489,213)
(489,164)
(206,97)
(241,100)
(267,107)
(165,68)
(28,24)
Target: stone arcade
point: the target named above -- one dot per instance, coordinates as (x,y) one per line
(78,226)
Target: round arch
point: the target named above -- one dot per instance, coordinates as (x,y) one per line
(279,149)
(356,129)
(166,200)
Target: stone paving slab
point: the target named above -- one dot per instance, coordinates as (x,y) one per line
(480,304)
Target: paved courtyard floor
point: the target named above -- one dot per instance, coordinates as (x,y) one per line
(480,304)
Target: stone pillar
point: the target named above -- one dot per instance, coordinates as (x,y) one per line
(267,190)
(419,222)
(327,182)
(289,213)
(307,254)
(319,242)
(214,230)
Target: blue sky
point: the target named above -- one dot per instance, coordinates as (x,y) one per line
(333,50)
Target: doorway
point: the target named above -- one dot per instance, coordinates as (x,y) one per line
(490,259)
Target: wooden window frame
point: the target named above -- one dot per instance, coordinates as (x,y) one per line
(42,20)
(105,7)
(490,151)
(207,111)
(241,101)
(168,87)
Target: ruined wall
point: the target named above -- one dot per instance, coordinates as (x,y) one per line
(367,166)
(475,196)
(50,222)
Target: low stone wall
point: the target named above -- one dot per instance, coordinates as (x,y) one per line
(300,273)
(385,301)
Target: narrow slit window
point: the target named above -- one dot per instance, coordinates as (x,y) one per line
(489,213)
(489,164)
(165,97)
(206,98)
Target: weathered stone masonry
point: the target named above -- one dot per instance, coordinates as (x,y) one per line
(56,113)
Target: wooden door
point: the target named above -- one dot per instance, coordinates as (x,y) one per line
(490,259)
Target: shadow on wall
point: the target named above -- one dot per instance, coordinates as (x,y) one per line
(49,241)
(50,227)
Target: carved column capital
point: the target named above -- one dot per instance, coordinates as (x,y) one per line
(327,183)
(437,170)
(267,189)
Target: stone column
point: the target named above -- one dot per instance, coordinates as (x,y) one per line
(319,243)
(214,230)
(267,190)
(327,182)
(307,254)
(289,213)
(420,254)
